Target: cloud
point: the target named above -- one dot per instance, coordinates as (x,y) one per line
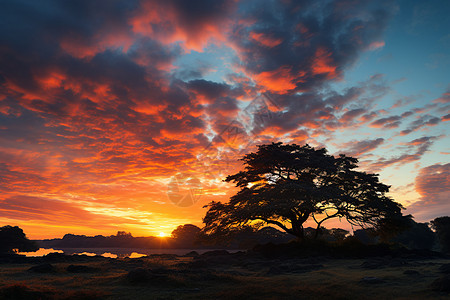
(359,148)
(52,211)
(423,121)
(193,23)
(415,149)
(446,118)
(433,184)
(388,122)
(305,43)
(445,98)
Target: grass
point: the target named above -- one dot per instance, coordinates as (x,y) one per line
(225,278)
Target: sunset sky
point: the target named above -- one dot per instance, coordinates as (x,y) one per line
(107,107)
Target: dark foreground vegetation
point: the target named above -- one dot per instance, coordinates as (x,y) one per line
(308,270)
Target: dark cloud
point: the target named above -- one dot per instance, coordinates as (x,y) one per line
(296,46)
(208,90)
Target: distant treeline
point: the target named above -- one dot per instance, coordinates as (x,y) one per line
(184,237)
(404,232)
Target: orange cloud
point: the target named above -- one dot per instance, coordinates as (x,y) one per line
(280,80)
(323,63)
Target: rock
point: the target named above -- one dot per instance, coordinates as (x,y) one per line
(43,268)
(80,269)
(441,284)
(371,280)
(445,268)
(411,272)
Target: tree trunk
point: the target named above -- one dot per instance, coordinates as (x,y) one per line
(298,231)
(317,232)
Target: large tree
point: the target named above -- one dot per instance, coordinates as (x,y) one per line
(287,184)
(12,238)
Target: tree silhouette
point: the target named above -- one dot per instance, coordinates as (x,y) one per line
(405,231)
(287,184)
(186,235)
(12,238)
(442,227)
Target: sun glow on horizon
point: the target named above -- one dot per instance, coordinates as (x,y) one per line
(162,234)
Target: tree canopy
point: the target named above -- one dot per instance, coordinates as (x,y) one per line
(13,238)
(442,227)
(186,232)
(287,184)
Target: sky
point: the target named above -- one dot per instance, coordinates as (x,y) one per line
(128,115)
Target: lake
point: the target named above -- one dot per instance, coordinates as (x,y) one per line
(115,252)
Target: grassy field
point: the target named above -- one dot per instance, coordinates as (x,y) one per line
(222,276)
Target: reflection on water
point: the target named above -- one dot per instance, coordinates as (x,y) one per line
(41,252)
(113,252)
(86,253)
(98,251)
(109,255)
(136,255)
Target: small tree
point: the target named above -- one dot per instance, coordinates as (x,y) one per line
(12,238)
(442,227)
(187,235)
(287,184)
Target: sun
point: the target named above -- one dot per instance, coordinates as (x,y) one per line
(162,234)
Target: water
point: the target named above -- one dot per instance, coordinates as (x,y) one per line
(115,252)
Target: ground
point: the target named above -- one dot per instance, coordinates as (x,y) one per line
(219,275)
